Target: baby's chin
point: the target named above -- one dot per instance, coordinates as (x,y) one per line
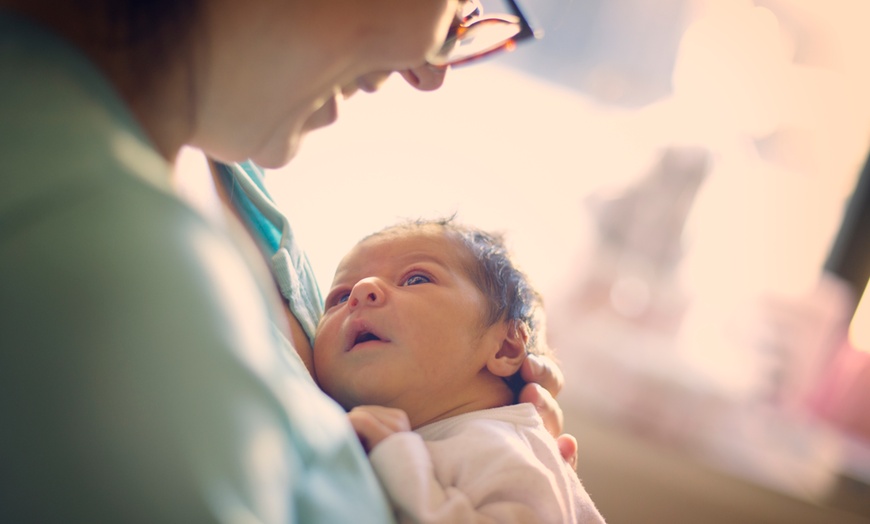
(351,395)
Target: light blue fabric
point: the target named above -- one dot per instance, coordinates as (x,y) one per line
(141,379)
(267,234)
(289,264)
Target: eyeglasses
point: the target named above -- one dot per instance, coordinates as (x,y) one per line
(474,35)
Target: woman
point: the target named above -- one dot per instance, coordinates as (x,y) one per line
(142,376)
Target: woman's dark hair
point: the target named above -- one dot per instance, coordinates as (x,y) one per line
(152,29)
(145,29)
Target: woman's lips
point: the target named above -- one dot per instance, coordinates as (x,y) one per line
(326,115)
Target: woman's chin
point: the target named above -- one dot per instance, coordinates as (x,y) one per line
(278,156)
(278,152)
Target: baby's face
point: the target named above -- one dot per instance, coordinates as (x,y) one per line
(403,322)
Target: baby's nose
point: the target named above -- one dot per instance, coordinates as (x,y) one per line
(366,292)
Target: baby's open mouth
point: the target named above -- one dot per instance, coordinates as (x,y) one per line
(361,333)
(365,336)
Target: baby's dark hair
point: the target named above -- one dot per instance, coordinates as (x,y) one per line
(509,294)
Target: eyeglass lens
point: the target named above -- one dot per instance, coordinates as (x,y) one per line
(480,37)
(475,36)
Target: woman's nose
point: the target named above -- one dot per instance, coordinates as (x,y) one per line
(367,292)
(425,77)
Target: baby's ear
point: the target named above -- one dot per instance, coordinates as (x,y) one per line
(508,359)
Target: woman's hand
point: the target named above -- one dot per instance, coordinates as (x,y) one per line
(544,381)
(373,424)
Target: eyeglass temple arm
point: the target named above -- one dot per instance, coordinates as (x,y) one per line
(526,30)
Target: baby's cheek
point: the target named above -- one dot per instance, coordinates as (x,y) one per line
(322,358)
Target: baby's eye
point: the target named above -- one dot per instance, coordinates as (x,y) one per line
(413,280)
(336,299)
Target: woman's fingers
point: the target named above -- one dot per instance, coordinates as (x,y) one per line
(546,405)
(553,419)
(568,449)
(543,371)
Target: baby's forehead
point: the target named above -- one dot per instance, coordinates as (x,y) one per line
(405,243)
(411,231)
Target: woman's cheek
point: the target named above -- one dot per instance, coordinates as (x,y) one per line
(413,37)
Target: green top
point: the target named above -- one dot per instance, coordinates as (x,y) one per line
(140,376)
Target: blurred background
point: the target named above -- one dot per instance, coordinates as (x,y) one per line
(678,177)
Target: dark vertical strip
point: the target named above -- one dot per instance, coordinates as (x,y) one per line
(850,255)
